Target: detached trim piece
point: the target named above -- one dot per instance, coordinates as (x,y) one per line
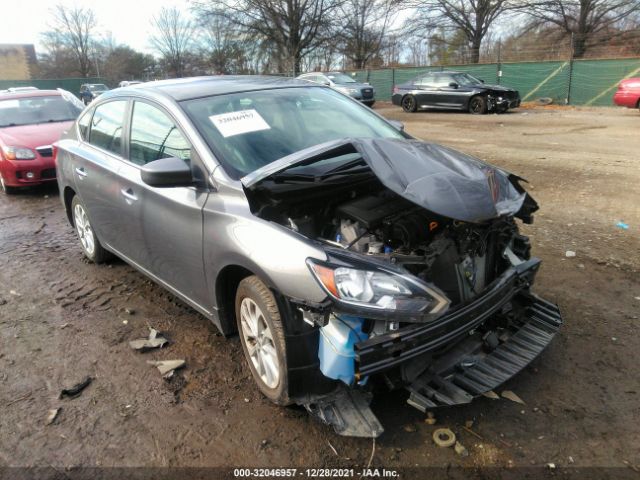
(431,390)
(347,411)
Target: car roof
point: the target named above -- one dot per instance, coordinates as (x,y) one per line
(198,87)
(28,93)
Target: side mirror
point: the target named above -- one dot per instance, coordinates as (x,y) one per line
(453,85)
(167,172)
(397,125)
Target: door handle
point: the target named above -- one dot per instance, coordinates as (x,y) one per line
(80,171)
(128,194)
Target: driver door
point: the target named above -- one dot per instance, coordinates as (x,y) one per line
(167,220)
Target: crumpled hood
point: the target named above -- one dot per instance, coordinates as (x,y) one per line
(495,88)
(445,181)
(440,179)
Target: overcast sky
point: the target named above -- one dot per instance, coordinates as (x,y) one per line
(128,20)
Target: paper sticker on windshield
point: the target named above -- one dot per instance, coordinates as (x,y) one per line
(236,123)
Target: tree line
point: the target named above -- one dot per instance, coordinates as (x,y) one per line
(291,36)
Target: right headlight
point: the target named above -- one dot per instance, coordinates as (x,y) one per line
(18,153)
(378,289)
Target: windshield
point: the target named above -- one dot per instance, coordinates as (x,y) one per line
(31,110)
(465,79)
(340,78)
(249,130)
(98,88)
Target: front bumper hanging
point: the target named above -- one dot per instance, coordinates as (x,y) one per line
(449,361)
(476,371)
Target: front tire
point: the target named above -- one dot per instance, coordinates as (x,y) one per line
(5,188)
(88,240)
(262,338)
(478,105)
(409,103)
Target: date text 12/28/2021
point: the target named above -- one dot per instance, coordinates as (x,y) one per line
(315,472)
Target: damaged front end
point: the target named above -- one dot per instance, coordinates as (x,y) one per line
(426,275)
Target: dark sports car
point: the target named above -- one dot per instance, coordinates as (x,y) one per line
(454,91)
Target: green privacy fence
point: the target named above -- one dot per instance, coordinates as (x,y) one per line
(577,82)
(70,84)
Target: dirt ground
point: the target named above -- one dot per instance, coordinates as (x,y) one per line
(62,319)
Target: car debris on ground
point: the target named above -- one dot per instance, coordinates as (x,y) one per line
(509,395)
(431,419)
(461,450)
(153,341)
(167,367)
(77,389)
(444,437)
(51,416)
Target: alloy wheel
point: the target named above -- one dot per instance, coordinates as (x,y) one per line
(408,103)
(83,227)
(477,105)
(258,339)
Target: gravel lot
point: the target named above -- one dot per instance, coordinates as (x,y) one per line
(62,319)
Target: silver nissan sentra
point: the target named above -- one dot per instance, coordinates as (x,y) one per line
(346,254)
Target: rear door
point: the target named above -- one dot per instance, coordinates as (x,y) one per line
(168,220)
(95,169)
(426,91)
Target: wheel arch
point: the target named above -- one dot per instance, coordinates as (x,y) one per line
(67,196)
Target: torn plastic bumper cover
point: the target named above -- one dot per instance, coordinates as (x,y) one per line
(451,360)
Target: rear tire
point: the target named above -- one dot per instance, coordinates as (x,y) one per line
(409,103)
(262,338)
(478,105)
(89,242)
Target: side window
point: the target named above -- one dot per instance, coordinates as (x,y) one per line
(425,80)
(154,135)
(83,124)
(443,80)
(106,126)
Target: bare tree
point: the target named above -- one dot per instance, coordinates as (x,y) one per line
(172,38)
(224,46)
(366,23)
(473,17)
(589,22)
(73,29)
(293,28)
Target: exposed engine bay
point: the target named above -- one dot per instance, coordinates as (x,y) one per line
(458,257)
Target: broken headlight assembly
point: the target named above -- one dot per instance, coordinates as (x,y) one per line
(378,292)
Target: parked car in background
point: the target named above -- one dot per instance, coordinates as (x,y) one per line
(338,247)
(91,91)
(128,83)
(628,93)
(454,91)
(30,122)
(21,89)
(344,84)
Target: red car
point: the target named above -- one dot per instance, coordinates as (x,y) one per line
(628,94)
(30,122)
